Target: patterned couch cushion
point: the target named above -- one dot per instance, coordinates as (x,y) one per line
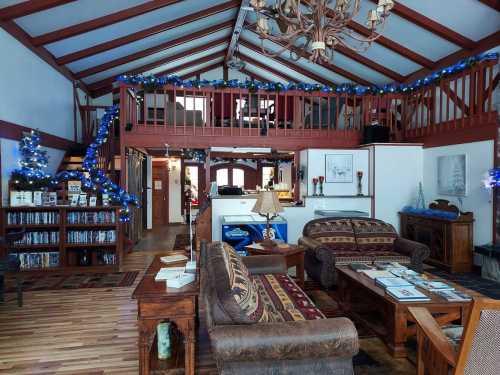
(373,235)
(235,290)
(336,234)
(284,300)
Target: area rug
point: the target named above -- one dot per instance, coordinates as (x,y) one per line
(181,241)
(51,281)
(471,281)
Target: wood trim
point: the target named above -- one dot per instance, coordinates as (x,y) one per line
(489,42)
(106,46)
(108,81)
(495,4)
(22,37)
(304,54)
(149,51)
(267,68)
(431,26)
(202,70)
(96,23)
(288,64)
(13,131)
(29,7)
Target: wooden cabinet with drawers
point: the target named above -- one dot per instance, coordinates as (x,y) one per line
(450,240)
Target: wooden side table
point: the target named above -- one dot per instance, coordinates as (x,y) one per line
(294,256)
(156,303)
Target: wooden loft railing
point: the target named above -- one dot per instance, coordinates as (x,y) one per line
(294,119)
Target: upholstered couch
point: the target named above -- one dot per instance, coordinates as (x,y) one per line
(260,322)
(340,241)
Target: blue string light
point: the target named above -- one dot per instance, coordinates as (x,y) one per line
(153,82)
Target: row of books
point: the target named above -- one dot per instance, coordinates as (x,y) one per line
(402,283)
(38,260)
(106,258)
(32,217)
(32,198)
(97,217)
(39,238)
(91,236)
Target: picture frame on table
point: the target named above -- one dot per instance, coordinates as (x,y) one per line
(339,168)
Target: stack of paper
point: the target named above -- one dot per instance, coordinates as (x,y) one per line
(173,258)
(168,273)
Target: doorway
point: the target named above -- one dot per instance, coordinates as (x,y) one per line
(160,193)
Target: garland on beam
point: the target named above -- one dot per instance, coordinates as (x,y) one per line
(150,83)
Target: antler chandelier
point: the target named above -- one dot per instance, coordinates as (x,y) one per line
(319,25)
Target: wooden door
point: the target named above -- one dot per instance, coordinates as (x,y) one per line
(160,193)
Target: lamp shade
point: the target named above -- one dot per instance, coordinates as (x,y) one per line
(267,203)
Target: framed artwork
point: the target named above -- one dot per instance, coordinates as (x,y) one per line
(338,168)
(452,175)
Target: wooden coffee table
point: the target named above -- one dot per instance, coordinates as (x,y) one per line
(359,294)
(294,257)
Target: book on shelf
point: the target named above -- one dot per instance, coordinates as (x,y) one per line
(21,198)
(91,236)
(91,217)
(391,282)
(358,267)
(407,294)
(93,201)
(82,200)
(373,274)
(39,238)
(32,217)
(37,260)
(73,199)
(74,187)
(173,258)
(168,273)
(37,198)
(454,295)
(52,198)
(105,199)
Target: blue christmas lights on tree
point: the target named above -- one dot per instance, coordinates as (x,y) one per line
(150,83)
(31,174)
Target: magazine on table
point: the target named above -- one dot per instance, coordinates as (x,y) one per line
(391,282)
(373,274)
(433,286)
(169,273)
(454,295)
(407,294)
(389,266)
(401,272)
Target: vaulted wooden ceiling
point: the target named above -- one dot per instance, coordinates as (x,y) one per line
(93,41)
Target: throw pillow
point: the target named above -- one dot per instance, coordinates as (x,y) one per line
(374,235)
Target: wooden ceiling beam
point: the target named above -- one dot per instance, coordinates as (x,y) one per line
(485,44)
(29,7)
(393,46)
(150,51)
(97,23)
(495,4)
(208,68)
(267,68)
(430,25)
(106,46)
(289,65)
(22,37)
(237,29)
(304,54)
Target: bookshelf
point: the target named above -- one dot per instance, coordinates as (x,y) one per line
(65,238)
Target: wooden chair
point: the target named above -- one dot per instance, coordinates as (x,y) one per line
(11,265)
(475,351)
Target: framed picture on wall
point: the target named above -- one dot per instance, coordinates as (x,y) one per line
(452,175)
(338,168)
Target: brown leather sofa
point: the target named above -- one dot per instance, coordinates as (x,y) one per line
(260,322)
(340,241)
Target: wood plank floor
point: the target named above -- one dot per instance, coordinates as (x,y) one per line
(80,331)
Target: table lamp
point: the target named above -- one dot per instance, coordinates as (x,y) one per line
(268,205)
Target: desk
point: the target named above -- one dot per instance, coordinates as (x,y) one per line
(157,303)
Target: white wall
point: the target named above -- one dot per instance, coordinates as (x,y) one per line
(478,199)
(316,167)
(9,149)
(35,95)
(174,192)
(397,173)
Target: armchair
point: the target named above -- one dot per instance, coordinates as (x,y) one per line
(473,349)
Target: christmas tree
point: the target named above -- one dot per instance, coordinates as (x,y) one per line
(31,174)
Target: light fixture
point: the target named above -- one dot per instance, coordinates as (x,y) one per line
(319,25)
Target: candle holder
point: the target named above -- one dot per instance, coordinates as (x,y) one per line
(321,181)
(360,185)
(315,185)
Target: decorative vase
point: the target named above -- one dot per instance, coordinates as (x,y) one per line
(315,185)
(163,340)
(360,185)
(321,181)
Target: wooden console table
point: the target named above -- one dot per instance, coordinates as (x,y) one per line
(157,303)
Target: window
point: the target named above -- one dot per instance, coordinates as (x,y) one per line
(222,177)
(192,104)
(238,177)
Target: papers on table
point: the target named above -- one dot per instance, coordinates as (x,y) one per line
(374,274)
(168,273)
(391,282)
(180,280)
(407,294)
(454,295)
(173,258)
